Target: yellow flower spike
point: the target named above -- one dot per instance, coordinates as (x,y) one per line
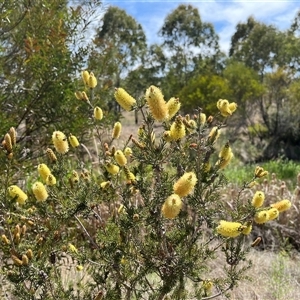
(214,134)
(128,151)
(78,95)
(15,192)
(192,126)
(260,172)
(258,199)
(247,228)
(117,130)
(74,177)
(111,168)
(60,142)
(4,239)
(13,135)
(39,191)
(172,206)
(85,97)
(52,157)
(225,152)
(44,171)
(261,217)
(92,81)
(232,106)
(25,260)
(85,77)
(129,175)
(29,253)
(229,229)
(79,268)
(202,118)
(167,136)
(282,205)
(273,213)
(50,180)
(223,107)
(173,106)
(156,103)
(73,141)
(177,130)
(207,286)
(98,113)
(72,248)
(105,184)
(8,142)
(185,184)
(120,158)
(16,260)
(124,99)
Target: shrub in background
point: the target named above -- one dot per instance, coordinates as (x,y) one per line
(141,219)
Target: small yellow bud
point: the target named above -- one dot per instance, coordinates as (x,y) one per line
(17,238)
(173,106)
(260,172)
(282,205)
(226,109)
(128,151)
(52,157)
(29,253)
(92,81)
(79,268)
(261,217)
(202,118)
(13,135)
(247,227)
(85,77)
(111,168)
(8,142)
(273,213)
(98,113)
(177,130)
(229,229)
(44,171)
(258,199)
(156,103)
(105,184)
(171,207)
(185,184)
(25,260)
(15,192)
(117,130)
(124,99)
(214,134)
(73,141)
(60,142)
(72,248)
(50,180)
(78,95)
(23,229)
(120,158)
(39,191)
(4,239)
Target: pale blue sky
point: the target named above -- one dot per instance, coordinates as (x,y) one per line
(224,15)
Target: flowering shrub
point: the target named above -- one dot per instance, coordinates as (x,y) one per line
(143,219)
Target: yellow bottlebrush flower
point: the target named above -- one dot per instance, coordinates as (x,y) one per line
(226,109)
(98,113)
(15,192)
(214,134)
(73,140)
(111,168)
(44,171)
(4,239)
(13,135)
(171,207)
(177,130)
(129,175)
(50,180)
(128,151)
(85,77)
(85,97)
(273,213)
(39,191)
(260,172)
(247,227)
(192,126)
(207,286)
(72,248)
(124,99)
(232,106)
(185,184)
(225,151)
(74,177)
(79,268)
(117,130)
(258,199)
(282,205)
(52,157)
(202,118)
(8,142)
(92,81)
(156,103)
(261,217)
(229,229)
(105,184)
(120,158)
(78,95)
(167,136)
(60,142)
(173,106)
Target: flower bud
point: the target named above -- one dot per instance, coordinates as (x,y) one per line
(73,141)
(92,81)
(98,113)
(50,180)
(85,77)
(214,134)
(25,260)
(8,142)
(29,253)
(44,171)
(117,130)
(52,157)
(111,168)
(13,135)
(202,118)
(128,151)
(16,260)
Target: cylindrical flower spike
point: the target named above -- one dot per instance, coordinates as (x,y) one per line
(167,136)
(111,168)
(128,151)
(73,141)
(60,142)
(172,206)
(85,77)
(214,134)
(52,157)
(156,103)
(282,205)
(229,229)
(260,172)
(258,199)
(185,184)
(117,130)
(74,177)
(202,118)
(39,191)
(226,109)
(177,130)
(15,192)
(247,227)
(13,135)
(50,180)
(98,113)
(273,213)
(129,175)
(173,106)
(8,142)
(92,81)
(44,171)
(225,152)
(261,217)
(120,158)
(124,99)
